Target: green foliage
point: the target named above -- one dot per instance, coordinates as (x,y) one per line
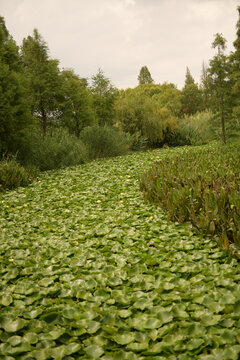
(13,175)
(189,80)
(197,129)
(191,99)
(137,141)
(88,271)
(191,96)
(43,75)
(201,186)
(54,150)
(76,105)
(104,94)
(105,141)
(14,109)
(144,76)
(234,60)
(148,109)
(220,83)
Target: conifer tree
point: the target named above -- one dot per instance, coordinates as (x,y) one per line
(14,110)
(189,79)
(235,74)
(44,78)
(220,82)
(191,95)
(205,87)
(144,76)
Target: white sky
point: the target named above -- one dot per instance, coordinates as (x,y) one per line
(121,36)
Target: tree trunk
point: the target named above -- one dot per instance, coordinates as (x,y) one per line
(44,121)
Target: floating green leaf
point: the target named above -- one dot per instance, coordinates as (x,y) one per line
(84,275)
(124,339)
(94,351)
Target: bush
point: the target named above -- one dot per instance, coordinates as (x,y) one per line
(200,185)
(13,175)
(105,141)
(56,149)
(196,129)
(137,141)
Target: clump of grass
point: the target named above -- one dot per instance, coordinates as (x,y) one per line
(105,141)
(13,175)
(196,129)
(200,185)
(57,149)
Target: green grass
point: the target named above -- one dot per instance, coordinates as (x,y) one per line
(13,175)
(200,185)
(90,271)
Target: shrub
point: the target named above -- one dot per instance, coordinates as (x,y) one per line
(105,141)
(200,185)
(13,175)
(196,129)
(56,149)
(137,141)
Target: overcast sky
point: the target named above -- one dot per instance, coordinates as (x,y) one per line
(121,36)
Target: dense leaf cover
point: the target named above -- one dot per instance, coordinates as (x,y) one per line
(201,186)
(89,271)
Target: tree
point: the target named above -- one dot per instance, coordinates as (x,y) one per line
(14,111)
(220,82)
(44,79)
(189,79)
(144,76)
(149,110)
(205,87)
(235,75)
(76,107)
(104,94)
(191,95)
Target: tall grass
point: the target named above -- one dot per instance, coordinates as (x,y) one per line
(105,141)
(196,129)
(13,175)
(56,149)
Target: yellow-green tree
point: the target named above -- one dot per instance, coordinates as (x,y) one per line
(149,109)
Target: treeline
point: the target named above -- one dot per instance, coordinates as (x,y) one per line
(51,117)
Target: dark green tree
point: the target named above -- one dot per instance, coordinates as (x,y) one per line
(219,71)
(104,94)
(189,79)
(205,87)
(235,75)
(14,111)
(144,76)
(76,106)
(44,79)
(191,95)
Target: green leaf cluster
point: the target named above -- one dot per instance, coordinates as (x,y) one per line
(13,175)
(200,186)
(90,271)
(149,109)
